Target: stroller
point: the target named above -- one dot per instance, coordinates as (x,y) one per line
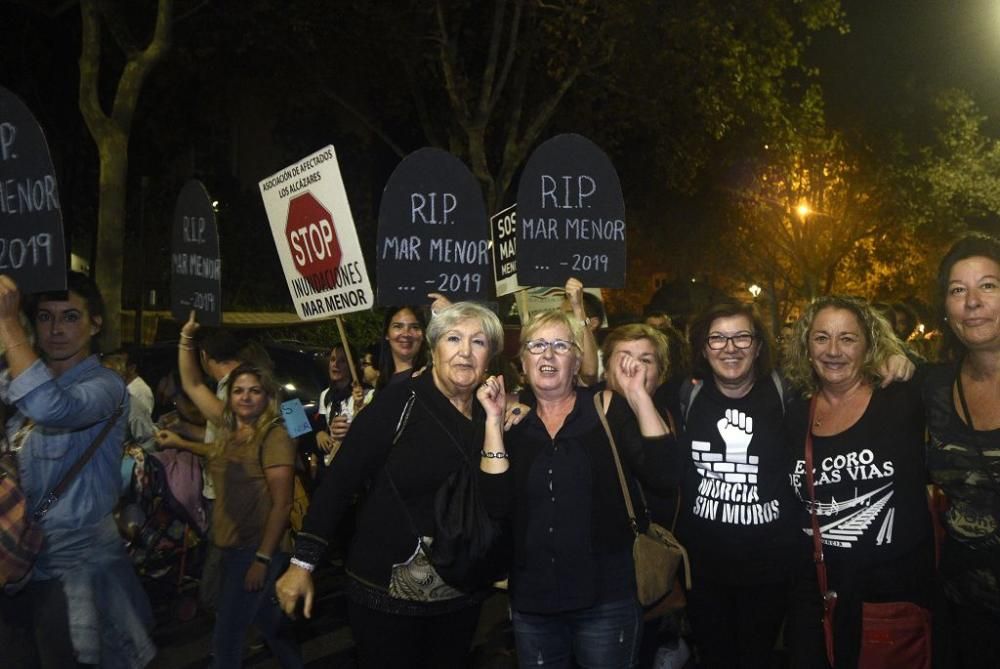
(162,518)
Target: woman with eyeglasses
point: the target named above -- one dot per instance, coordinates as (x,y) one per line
(736,517)
(572,582)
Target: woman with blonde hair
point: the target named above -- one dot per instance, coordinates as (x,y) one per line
(572,582)
(858,468)
(252,466)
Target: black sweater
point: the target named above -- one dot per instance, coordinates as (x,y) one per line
(421,460)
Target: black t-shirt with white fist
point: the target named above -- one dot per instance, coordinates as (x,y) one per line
(738,515)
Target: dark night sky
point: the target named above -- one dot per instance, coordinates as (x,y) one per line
(896,45)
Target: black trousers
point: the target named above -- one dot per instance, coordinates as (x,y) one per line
(34,628)
(389,641)
(736,625)
(908,578)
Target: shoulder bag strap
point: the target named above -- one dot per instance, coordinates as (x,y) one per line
(599,405)
(404,418)
(829,596)
(60,488)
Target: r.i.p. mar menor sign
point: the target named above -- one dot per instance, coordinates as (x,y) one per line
(32,250)
(571,216)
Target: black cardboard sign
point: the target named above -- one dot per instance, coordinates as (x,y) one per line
(195,266)
(32,249)
(571,216)
(433,235)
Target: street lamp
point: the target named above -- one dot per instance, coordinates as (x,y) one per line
(755,290)
(803,209)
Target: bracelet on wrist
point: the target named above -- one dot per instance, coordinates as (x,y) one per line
(185,347)
(186,336)
(262,558)
(494,455)
(302,565)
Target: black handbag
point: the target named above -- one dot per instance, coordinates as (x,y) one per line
(467,550)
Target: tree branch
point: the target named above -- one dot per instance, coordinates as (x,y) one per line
(449,69)
(138,67)
(90,68)
(512,43)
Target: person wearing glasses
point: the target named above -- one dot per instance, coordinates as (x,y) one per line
(737,517)
(572,581)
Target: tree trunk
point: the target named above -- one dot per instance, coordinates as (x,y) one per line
(110,261)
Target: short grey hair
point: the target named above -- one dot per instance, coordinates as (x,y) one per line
(452,315)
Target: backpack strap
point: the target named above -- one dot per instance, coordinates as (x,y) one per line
(782,387)
(689,390)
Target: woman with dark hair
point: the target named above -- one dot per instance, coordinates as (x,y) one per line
(858,468)
(962,398)
(339,403)
(418,433)
(252,464)
(402,344)
(737,517)
(82,602)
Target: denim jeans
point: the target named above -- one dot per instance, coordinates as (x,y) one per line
(604,636)
(238,609)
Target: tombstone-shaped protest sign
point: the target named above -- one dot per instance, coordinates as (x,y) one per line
(432,232)
(195,266)
(503,230)
(571,216)
(32,249)
(317,242)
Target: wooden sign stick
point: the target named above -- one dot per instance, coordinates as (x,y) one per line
(347,349)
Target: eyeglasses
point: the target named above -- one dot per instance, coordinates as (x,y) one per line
(539,346)
(717,342)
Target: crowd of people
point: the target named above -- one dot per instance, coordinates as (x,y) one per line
(818,480)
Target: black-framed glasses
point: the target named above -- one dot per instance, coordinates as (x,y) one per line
(539,346)
(717,342)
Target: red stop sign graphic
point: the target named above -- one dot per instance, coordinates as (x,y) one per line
(313,241)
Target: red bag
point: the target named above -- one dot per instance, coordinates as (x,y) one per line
(895,634)
(20,538)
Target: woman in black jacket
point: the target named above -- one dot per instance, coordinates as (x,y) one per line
(406,448)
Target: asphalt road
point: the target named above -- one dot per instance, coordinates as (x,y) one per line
(326,638)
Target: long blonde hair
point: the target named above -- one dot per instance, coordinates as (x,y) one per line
(267,418)
(882,341)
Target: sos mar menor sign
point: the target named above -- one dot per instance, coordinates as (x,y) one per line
(32,249)
(195,265)
(571,216)
(314,233)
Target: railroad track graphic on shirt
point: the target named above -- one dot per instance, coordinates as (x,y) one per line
(844,532)
(733,466)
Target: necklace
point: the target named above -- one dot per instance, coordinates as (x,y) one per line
(850,396)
